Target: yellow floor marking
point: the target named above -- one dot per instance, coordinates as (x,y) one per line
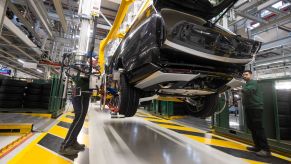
(70,113)
(145,114)
(38,154)
(281,156)
(252,161)
(228,143)
(215,142)
(67,120)
(175,117)
(157,120)
(45,115)
(142,115)
(62,132)
(180,128)
(33,154)
(59,131)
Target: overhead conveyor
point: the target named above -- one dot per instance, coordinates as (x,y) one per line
(114,32)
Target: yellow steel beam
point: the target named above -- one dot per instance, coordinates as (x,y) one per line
(113,33)
(15,128)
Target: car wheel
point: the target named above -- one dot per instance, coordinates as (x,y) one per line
(32,98)
(11,97)
(283,108)
(284,121)
(205,107)
(285,133)
(34,91)
(10,104)
(128,98)
(14,83)
(32,105)
(11,90)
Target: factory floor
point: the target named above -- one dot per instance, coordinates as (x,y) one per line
(144,139)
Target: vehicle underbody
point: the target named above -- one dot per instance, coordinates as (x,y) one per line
(180,54)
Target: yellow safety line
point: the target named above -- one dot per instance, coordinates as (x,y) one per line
(6,149)
(227,143)
(183,128)
(252,161)
(59,131)
(158,120)
(216,142)
(45,115)
(33,153)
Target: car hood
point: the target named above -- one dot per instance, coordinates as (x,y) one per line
(200,8)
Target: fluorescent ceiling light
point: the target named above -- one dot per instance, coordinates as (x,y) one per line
(283,85)
(20,61)
(40,71)
(255,25)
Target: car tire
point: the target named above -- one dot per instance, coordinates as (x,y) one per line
(45,99)
(32,98)
(128,98)
(44,105)
(11,97)
(285,133)
(33,91)
(284,121)
(283,108)
(14,83)
(32,105)
(10,104)
(11,90)
(209,107)
(33,86)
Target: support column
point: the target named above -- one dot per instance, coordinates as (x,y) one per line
(3,7)
(85,9)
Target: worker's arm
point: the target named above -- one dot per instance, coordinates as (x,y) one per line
(250,88)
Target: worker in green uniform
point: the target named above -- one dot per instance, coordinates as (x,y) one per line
(253,105)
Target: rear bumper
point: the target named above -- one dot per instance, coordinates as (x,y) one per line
(193,52)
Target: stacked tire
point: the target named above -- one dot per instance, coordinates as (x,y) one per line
(45,95)
(12,93)
(284,113)
(32,98)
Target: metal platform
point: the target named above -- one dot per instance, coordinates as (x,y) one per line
(40,122)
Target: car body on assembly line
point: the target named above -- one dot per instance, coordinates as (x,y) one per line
(173,49)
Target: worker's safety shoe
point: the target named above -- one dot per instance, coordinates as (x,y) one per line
(263,153)
(254,149)
(70,150)
(78,146)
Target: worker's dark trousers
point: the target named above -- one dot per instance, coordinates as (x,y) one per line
(80,105)
(254,118)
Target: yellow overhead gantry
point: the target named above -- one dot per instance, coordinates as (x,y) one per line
(114,31)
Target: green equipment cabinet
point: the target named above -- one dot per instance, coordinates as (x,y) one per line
(166,107)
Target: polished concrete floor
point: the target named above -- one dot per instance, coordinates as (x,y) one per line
(134,140)
(143,139)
